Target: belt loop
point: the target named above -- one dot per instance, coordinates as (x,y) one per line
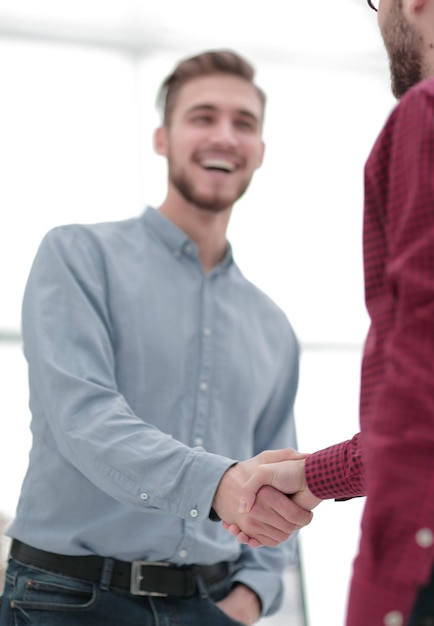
(106,574)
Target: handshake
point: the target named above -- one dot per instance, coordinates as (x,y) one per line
(264,500)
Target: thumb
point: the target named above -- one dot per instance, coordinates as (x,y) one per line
(284,454)
(262,476)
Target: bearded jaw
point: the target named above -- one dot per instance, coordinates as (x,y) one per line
(404,45)
(215,200)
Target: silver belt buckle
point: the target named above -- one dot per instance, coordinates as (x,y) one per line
(137,577)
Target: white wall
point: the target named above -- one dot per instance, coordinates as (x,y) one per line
(69,148)
(76,127)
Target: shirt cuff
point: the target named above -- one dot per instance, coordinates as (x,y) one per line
(206,470)
(213,516)
(337,471)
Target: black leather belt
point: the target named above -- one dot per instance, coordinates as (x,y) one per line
(141,578)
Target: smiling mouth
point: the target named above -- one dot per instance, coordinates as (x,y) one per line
(219,165)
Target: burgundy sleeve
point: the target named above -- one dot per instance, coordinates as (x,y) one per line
(336,471)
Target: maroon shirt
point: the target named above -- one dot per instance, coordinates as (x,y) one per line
(396,444)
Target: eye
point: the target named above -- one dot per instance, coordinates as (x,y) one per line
(245,124)
(202,119)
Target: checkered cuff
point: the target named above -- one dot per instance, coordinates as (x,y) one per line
(337,471)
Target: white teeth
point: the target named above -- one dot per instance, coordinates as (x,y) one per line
(218,164)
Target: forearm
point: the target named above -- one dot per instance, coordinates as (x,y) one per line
(337,471)
(71,349)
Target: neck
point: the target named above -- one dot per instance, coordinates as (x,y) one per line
(206,228)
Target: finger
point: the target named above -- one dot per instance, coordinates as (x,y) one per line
(260,534)
(270,540)
(263,533)
(238,533)
(275,508)
(253,543)
(243,538)
(234,529)
(262,476)
(274,517)
(284,454)
(269,535)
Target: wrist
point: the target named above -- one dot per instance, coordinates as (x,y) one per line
(222,493)
(249,599)
(303,473)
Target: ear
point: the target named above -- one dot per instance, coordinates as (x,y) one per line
(260,155)
(414,6)
(160,141)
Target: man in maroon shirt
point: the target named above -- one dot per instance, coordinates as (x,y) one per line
(392,459)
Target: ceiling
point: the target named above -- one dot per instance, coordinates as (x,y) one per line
(342,32)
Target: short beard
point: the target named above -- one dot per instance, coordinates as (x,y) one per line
(404,46)
(212,204)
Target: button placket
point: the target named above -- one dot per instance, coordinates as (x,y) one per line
(393,618)
(424,538)
(205,364)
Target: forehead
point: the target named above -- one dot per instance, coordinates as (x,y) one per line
(224,92)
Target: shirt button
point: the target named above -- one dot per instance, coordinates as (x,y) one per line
(203,386)
(194,513)
(424,538)
(198,441)
(394,618)
(183,554)
(188,248)
(207,331)
(144,495)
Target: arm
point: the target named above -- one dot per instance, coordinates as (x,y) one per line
(396,555)
(70,344)
(337,471)
(334,472)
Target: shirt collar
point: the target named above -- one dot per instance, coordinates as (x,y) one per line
(176,240)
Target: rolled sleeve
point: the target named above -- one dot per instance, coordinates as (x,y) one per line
(337,471)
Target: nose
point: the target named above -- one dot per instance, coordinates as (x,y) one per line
(223,133)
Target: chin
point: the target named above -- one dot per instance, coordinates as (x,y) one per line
(213,206)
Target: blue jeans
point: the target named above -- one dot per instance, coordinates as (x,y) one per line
(35,597)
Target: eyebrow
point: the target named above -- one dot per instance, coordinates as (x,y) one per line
(212,108)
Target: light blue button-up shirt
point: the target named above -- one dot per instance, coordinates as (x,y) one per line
(148,379)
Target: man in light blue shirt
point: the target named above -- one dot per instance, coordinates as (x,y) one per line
(154,366)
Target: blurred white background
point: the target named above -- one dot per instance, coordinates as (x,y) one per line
(77,89)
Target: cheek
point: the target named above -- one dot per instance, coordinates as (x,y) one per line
(256,155)
(187,144)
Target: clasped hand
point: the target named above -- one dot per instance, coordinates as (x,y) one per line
(264,500)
